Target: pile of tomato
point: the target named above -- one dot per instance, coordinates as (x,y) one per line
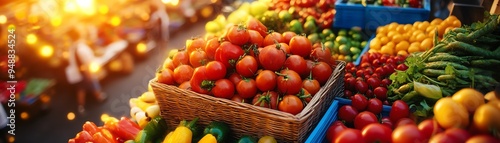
(251,65)
(371,77)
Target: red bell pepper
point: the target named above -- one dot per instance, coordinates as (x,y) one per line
(127,129)
(100,138)
(83,137)
(90,127)
(108,135)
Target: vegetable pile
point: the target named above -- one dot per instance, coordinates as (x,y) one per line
(251,65)
(465,57)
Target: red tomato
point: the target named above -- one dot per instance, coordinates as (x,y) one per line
(238,98)
(180,58)
(256,38)
(322,54)
(183,73)
(297,64)
(211,47)
(247,66)
(238,35)
(196,81)
(405,121)
(166,76)
(361,86)
(363,119)
(407,134)
(385,82)
(272,58)
(285,48)
(267,99)
(373,82)
(347,113)
(229,53)
(311,85)
(443,138)
(235,78)
(351,83)
(334,130)
(300,45)
(288,35)
(349,136)
(254,24)
(273,38)
(266,80)
(399,110)
(359,102)
(215,70)
(247,88)
(402,67)
(198,58)
(377,133)
(483,139)
(429,127)
(193,44)
(387,122)
(310,64)
(223,88)
(185,85)
(375,106)
(289,82)
(460,135)
(322,72)
(291,104)
(168,64)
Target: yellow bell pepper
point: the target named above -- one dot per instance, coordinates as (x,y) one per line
(209,138)
(182,134)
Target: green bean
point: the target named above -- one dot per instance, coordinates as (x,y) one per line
(443,64)
(446,77)
(447,57)
(470,49)
(437,72)
(485,63)
(409,96)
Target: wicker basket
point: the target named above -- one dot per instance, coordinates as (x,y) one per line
(244,119)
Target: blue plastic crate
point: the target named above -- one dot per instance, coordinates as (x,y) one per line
(376,16)
(365,49)
(348,15)
(318,134)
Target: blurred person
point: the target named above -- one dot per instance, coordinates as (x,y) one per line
(78,71)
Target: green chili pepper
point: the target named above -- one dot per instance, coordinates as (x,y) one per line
(247,139)
(427,90)
(409,96)
(220,130)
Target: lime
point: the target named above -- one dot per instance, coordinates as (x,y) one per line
(355,57)
(355,44)
(341,39)
(330,37)
(363,44)
(314,38)
(336,46)
(327,32)
(344,50)
(357,37)
(310,27)
(285,16)
(296,26)
(311,18)
(342,32)
(348,59)
(212,27)
(329,45)
(355,50)
(258,8)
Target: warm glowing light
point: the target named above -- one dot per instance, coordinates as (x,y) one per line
(115,21)
(12,139)
(103,9)
(20,15)
(32,19)
(145,16)
(56,21)
(71,116)
(45,98)
(24,115)
(104,117)
(70,6)
(46,51)
(207,11)
(172,2)
(86,6)
(141,47)
(3,19)
(193,19)
(94,67)
(31,39)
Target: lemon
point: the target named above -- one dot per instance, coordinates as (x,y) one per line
(375,44)
(402,46)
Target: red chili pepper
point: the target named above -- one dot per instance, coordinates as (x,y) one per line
(71,141)
(83,137)
(127,129)
(90,127)
(100,138)
(108,135)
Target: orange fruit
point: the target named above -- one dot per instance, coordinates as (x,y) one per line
(390,34)
(402,46)
(380,35)
(423,25)
(397,38)
(415,44)
(375,44)
(400,29)
(436,21)
(430,28)
(382,30)
(403,53)
(426,44)
(384,40)
(387,50)
(391,44)
(416,24)
(408,27)
(420,37)
(457,23)
(413,49)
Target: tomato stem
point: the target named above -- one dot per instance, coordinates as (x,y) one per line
(207,84)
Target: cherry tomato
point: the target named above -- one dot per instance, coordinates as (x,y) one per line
(380,93)
(348,94)
(443,138)
(247,66)
(254,24)
(300,45)
(273,38)
(369,93)
(402,67)
(197,81)
(166,76)
(377,133)
(266,80)
(180,58)
(376,63)
(381,71)
(193,44)
(321,54)
(334,130)
(198,58)
(460,135)
(360,73)
(373,82)
(247,88)
(288,35)
(363,119)
(405,121)
(429,127)
(351,82)
(289,82)
(385,82)
(387,122)
(350,65)
(368,71)
(311,85)
(349,136)
(229,53)
(211,47)
(291,104)
(235,78)
(238,35)
(407,134)
(284,47)
(297,64)
(399,110)
(347,113)
(215,70)
(238,98)
(256,38)
(223,88)
(272,58)
(359,102)
(183,73)
(321,72)
(375,106)
(267,99)
(361,86)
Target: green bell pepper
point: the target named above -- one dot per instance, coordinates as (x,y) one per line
(220,130)
(247,139)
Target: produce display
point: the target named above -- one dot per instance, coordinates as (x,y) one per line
(463,58)
(305,16)
(347,45)
(113,131)
(144,108)
(390,3)
(404,39)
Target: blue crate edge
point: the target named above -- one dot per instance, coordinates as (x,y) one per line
(365,49)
